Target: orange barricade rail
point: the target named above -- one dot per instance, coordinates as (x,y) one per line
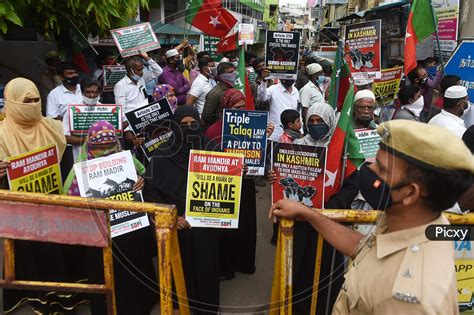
(85,221)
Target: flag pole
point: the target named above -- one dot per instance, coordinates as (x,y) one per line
(437,37)
(339,55)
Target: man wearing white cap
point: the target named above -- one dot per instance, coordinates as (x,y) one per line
(312,92)
(455,104)
(173,77)
(364,107)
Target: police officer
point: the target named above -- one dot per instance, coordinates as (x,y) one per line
(420,170)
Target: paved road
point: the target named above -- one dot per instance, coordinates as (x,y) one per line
(245,294)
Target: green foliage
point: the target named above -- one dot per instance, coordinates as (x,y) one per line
(53,16)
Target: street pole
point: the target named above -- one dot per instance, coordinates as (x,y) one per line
(433,14)
(339,56)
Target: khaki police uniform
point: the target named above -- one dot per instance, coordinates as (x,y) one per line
(402,272)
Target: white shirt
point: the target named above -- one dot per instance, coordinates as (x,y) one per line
(132,96)
(200,87)
(469,116)
(310,94)
(59,98)
(280,99)
(449,121)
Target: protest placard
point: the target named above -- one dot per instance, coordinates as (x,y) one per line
(149,121)
(112,74)
(245,132)
(362,49)
(464,266)
(131,40)
(461,63)
(113,177)
(213,189)
(81,117)
(369,143)
(387,86)
(447,13)
(282,54)
(246,34)
(299,173)
(36,171)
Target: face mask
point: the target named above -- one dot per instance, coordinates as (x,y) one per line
(235,63)
(424,80)
(287,83)
(181,66)
(135,77)
(213,72)
(99,152)
(432,70)
(318,131)
(259,72)
(71,81)
(417,106)
(90,101)
(465,109)
(228,78)
(375,190)
(320,80)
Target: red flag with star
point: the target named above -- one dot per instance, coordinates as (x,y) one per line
(210,17)
(227,44)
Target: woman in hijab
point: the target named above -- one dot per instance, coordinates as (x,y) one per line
(166,181)
(321,123)
(134,276)
(25,129)
(165,90)
(238,246)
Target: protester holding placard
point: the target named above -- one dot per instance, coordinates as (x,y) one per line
(166,181)
(172,76)
(312,92)
(134,290)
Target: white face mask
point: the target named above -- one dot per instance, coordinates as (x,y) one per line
(417,106)
(90,101)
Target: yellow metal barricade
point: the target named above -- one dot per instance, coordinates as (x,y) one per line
(84,221)
(281,302)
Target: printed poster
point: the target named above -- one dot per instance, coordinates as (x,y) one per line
(131,39)
(36,171)
(447,12)
(81,117)
(369,143)
(461,63)
(245,132)
(282,54)
(213,189)
(113,177)
(246,34)
(149,121)
(362,49)
(464,264)
(387,86)
(299,173)
(112,74)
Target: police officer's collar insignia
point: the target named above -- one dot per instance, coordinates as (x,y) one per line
(408,273)
(406,297)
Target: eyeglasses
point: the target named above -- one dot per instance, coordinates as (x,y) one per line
(365,108)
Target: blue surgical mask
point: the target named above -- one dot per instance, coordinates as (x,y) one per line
(432,70)
(318,131)
(135,77)
(321,79)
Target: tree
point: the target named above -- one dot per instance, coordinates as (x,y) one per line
(51,17)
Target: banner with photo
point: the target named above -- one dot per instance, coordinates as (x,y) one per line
(282,50)
(82,117)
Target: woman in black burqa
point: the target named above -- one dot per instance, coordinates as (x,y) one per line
(166,179)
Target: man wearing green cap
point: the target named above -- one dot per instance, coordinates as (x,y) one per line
(420,170)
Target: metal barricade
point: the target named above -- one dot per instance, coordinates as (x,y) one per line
(85,221)
(282,290)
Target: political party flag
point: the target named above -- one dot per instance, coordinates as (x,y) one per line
(420,25)
(343,140)
(227,44)
(210,17)
(242,82)
(344,75)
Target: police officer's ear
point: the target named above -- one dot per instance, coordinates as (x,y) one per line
(411,194)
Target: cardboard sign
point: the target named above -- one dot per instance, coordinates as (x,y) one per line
(461,63)
(149,121)
(245,132)
(213,189)
(362,49)
(299,173)
(387,86)
(36,171)
(131,39)
(113,74)
(447,12)
(369,143)
(112,177)
(246,34)
(282,54)
(81,117)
